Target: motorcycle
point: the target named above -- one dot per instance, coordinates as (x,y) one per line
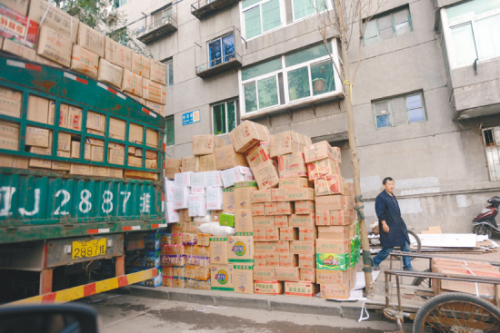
(484,223)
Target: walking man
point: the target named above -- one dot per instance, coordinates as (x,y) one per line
(392,228)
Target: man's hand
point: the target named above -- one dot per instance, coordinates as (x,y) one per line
(385,227)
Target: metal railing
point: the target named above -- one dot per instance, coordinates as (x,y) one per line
(219,62)
(160,23)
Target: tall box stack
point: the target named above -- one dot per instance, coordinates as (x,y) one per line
(143,252)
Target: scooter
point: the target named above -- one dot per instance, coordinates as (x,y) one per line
(484,223)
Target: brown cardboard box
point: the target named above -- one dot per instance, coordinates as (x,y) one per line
(258,154)
(65,154)
(118,54)
(272,234)
(281,221)
(154,92)
(172,166)
(156,107)
(134,162)
(304,288)
(266,175)
(292,165)
(151,155)
(288,142)
(38,137)
(135,133)
(320,151)
(308,233)
(137,152)
(96,121)
(259,259)
(287,273)
(261,196)
(305,207)
(141,65)
(270,208)
(91,40)
(20,163)
(243,279)
(84,61)
(289,234)
(218,250)
(54,46)
(207,163)
(289,183)
(215,215)
(63,114)
(157,72)
(299,194)
(38,109)
(54,18)
(99,171)
(115,173)
(152,138)
(243,221)
(116,156)
(258,209)
(79,169)
(333,246)
(132,83)
(243,194)
(87,151)
(6,161)
(336,291)
(259,235)
(10,102)
(206,144)
(284,208)
(190,164)
(328,185)
(43,61)
(337,232)
(61,166)
(248,134)
(302,247)
(117,128)
(20,6)
(74,116)
(277,194)
(140,175)
(19,50)
(228,200)
(226,157)
(333,277)
(288,260)
(268,287)
(110,73)
(322,168)
(64,141)
(40,163)
(298,221)
(272,260)
(263,221)
(95,142)
(151,164)
(75,149)
(307,261)
(97,154)
(264,273)
(308,275)
(331,202)
(265,247)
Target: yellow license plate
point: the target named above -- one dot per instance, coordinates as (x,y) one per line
(89,249)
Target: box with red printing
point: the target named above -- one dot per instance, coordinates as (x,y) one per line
(272,260)
(282,247)
(323,168)
(268,287)
(308,275)
(328,185)
(305,207)
(288,260)
(270,208)
(289,234)
(258,209)
(307,261)
(277,194)
(284,208)
(307,233)
(336,291)
(17,27)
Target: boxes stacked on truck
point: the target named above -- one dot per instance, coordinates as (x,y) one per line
(143,252)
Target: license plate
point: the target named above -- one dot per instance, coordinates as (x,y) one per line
(89,249)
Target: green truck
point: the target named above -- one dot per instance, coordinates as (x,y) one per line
(64,209)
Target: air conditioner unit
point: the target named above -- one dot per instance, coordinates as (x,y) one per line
(108,14)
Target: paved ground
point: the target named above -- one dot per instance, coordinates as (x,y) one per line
(125,313)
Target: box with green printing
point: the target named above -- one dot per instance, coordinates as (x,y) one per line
(226,220)
(355,248)
(333,261)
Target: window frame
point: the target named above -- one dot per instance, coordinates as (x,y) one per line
(384,14)
(236,114)
(162,11)
(490,172)
(329,7)
(167,118)
(167,71)
(222,49)
(391,113)
(260,3)
(447,29)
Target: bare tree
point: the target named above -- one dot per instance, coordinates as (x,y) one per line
(346,18)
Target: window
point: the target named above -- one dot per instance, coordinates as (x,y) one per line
(170,131)
(221,50)
(119,3)
(260,16)
(295,76)
(162,16)
(304,8)
(473,30)
(169,64)
(387,26)
(406,109)
(491,138)
(224,117)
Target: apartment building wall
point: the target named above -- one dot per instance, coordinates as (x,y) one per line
(439,164)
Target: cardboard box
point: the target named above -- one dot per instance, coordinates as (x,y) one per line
(38,137)
(97,154)
(272,260)
(118,54)
(281,221)
(227,220)
(20,6)
(243,221)
(172,216)
(243,279)
(287,273)
(258,209)
(333,217)
(268,287)
(157,72)
(134,161)
(248,134)
(307,261)
(18,49)
(285,208)
(141,65)
(96,121)
(10,102)
(228,200)
(74,116)
(320,151)
(207,163)
(110,73)
(288,142)
(332,202)
(265,247)
(54,46)
(259,234)
(272,234)
(339,232)
(140,175)
(171,166)
(75,149)
(292,166)
(43,61)
(297,221)
(333,261)
(299,194)
(333,245)
(266,175)
(214,198)
(302,247)
(305,207)
(277,194)
(20,162)
(236,175)
(116,156)
(190,164)
(6,161)
(40,163)
(226,157)
(259,259)
(302,288)
(183,179)
(261,196)
(63,114)
(264,273)
(322,168)
(152,138)
(336,291)
(132,83)
(308,275)
(64,142)
(197,204)
(243,194)
(136,133)
(156,107)
(152,164)
(258,154)
(215,215)
(206,144)
(79,169)
(154,92)
(307,233)
(181,197)
(212,179)
(294,183)
(333,277)
(99,171)
(219,250)
(328,185)
(38,109)
(484,290)
(50,16)
(288,260)
(263,221)
(91,40)
(84,61)
(270,208)
(240,249)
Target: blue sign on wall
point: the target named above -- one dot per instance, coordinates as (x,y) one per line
(191,117)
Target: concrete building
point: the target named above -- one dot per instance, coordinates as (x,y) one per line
(426,97)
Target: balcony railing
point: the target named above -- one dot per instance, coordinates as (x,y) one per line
(204,8)
(158,29)
(229,61)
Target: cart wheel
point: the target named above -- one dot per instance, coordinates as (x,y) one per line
(419,244)
(482,229)
(457,312)
(420,281)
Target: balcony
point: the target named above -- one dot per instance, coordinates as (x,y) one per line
(204,8)
(158,29)
(219,65)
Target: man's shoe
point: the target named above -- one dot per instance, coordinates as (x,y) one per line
(376,267)
(408,269)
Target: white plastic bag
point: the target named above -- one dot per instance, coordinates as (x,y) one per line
(214,228)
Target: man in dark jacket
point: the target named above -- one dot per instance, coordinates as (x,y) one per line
(392,228)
